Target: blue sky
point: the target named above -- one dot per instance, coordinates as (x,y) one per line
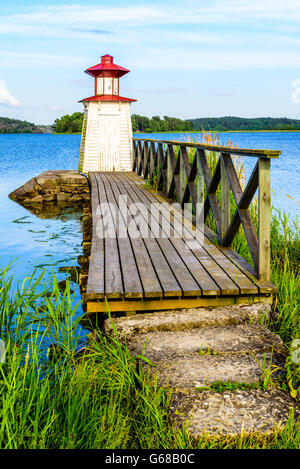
(187,58)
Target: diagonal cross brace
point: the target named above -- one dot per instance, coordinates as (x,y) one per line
(243,200)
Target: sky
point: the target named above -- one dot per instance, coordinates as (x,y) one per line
(191,58)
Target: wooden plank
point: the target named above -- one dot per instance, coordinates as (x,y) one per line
(95,284)
(167,304)
(112,267)
(264,286)
(147,274)
(227,267)
(264,212)
(163,271)
(211,275)
(184,275)
(189,257)
(131,280)
(224,273)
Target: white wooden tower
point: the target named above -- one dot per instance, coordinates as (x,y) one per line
(106,141)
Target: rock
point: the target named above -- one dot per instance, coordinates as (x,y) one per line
(185,319)
(62,197)
(75,199)
(37,200)
(67,188)
(48,197)
(48,180)
(73,271)
(62,285)
(229,340)
(27,191)
(84,263)
(189,350)
(195,371)
(232,412)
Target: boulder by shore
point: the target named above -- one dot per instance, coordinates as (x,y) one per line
(66,188)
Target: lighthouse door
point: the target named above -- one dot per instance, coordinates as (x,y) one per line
(109,143)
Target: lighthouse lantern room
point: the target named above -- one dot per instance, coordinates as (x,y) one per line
(106,141)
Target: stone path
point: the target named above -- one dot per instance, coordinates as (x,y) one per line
(192,349)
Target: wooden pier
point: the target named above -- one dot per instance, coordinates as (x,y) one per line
(155,258)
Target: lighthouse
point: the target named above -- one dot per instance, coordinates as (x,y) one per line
(106,140)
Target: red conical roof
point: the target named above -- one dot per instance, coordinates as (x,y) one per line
(107,65)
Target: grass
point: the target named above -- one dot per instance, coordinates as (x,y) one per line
(101,398)
(54,394)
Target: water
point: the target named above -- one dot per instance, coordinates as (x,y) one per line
(56,242)
(285,170)
(29,240)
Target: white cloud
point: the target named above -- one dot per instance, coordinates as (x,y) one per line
(6,97)
(64,17)
(55,108)
(172,59)
(138,28)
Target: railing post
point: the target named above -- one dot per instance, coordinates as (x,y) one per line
(139,157)
(182,176)
(264,213)
(134,153)
(199,189)
(169,171)
(225,199)
(145,159)
(151,163)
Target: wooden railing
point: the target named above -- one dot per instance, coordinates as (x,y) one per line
(186,176)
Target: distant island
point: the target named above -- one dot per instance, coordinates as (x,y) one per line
(230,123)
(15,126)
(70,124)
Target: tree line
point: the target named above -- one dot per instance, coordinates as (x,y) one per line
(73,124)
(157,124)
(241,123)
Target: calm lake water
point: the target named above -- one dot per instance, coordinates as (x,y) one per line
(53,243)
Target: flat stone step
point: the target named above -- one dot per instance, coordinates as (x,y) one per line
(199,371)
(191,349)
(233,412)
(224,340)
(186,319)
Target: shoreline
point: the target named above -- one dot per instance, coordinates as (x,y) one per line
(166,132)
(216,131)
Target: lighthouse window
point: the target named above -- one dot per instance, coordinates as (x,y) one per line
(108,85)
(116,86)
(99,85)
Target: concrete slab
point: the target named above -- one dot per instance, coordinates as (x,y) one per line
(232,413)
